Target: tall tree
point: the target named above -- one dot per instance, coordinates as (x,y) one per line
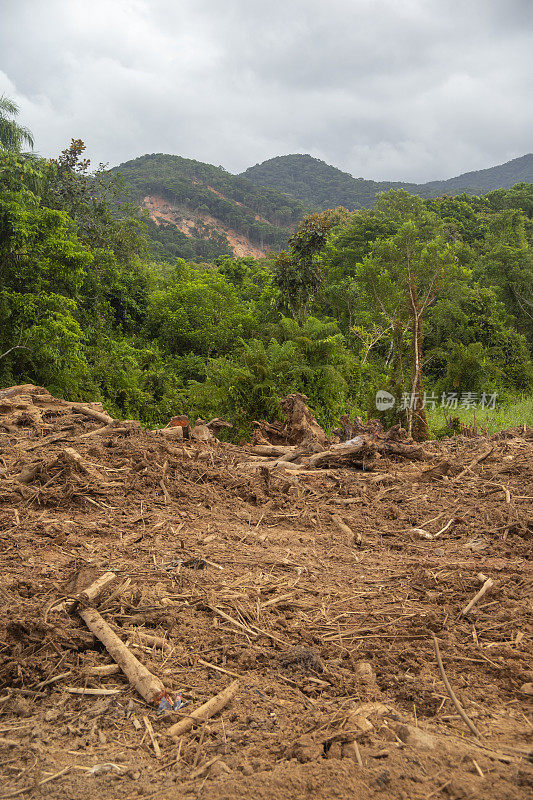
(404,274)
(12,135)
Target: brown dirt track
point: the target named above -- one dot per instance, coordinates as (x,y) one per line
(333,642)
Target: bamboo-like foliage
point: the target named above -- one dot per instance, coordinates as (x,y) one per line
(12,135)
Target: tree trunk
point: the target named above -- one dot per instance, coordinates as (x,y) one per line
(417,426)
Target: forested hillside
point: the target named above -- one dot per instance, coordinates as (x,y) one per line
(324,186)
(200,211)
(428,299)
(424,296)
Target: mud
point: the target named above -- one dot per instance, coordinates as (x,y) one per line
(249,575)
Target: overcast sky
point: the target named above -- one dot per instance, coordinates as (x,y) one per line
(387,89)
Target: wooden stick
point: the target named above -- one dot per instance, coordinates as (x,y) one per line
(218,669)
(165,491)
(105,429)
(357,753)
(88,595)
(94,692)
(346,529)
(205,711)
(56,678)
(227,617)
(451,693)
(151,734)
(489,583)
(200,771)
(148,685)
(473,463)
(272,450)
(151,639)
(478,768)
(442,530)
(103,671)
(30,788)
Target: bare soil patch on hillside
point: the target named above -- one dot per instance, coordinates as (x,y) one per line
(225,573)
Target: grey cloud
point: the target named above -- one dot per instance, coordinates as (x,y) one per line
(411,90)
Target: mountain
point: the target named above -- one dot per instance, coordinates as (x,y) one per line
(323,186)
(198,211)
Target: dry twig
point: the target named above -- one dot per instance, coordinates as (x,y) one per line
(489,583)
(453,698)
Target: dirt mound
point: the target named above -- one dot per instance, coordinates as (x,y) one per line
(317,588)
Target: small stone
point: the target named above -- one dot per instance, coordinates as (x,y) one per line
(218,769)
(335,750)
(305,749)
(21,707)
(247,769)
(527,688)
(365,673)
(415,737)
(359,721)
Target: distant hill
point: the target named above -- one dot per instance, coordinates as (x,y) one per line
(323,186)
(198,211)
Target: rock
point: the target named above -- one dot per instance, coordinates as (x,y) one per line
(21,707)
(305,658)
(305,749)
(360,722)
(365,673)
(218,770)
(415,737)
(335,750)
(527,688)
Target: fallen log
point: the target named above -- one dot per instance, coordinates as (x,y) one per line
(25,388)
(205,711)
(272,450)
(72,457)
(341,453)
(364,449)
(170,433)
(393,448)
(101,416)
(88,595)
(114,427)
(146,684)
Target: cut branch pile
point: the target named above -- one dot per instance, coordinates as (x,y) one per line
(299,426)
(299,442)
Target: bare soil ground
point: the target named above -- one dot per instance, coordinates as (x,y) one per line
(249,575)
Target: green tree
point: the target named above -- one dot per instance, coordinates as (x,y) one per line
(12,135)
(404,274)
(297,272)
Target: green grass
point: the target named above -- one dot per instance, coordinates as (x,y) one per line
(509,415)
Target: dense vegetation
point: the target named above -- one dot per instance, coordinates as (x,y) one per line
(322,186)
(264,216)
(419,296)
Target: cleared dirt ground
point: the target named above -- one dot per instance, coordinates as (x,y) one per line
(248,574)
